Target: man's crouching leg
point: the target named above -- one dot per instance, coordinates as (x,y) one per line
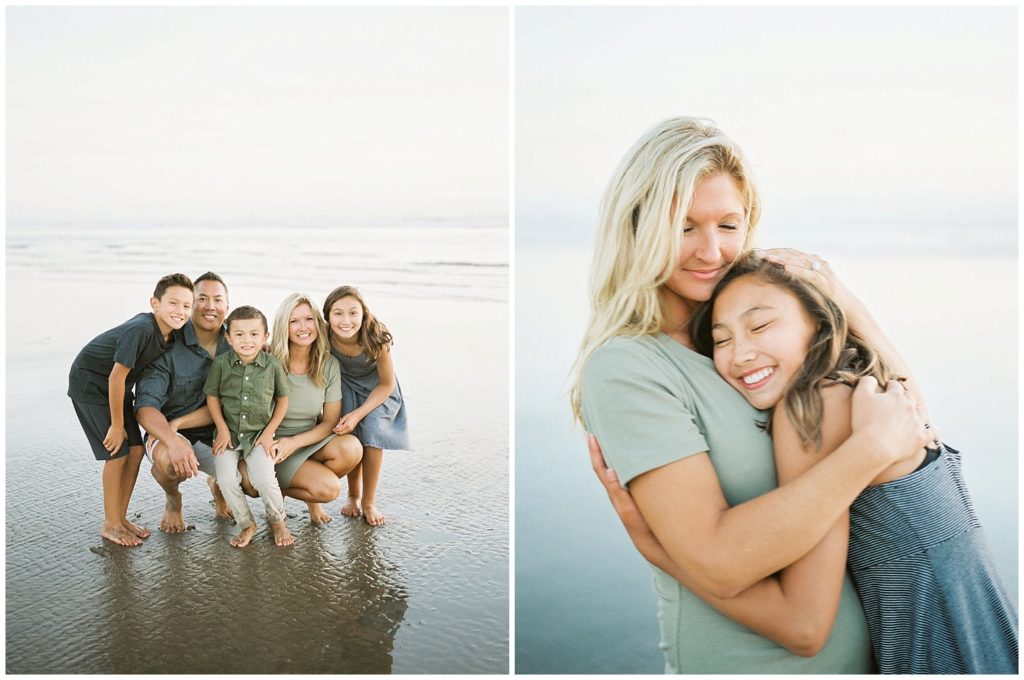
(173,520)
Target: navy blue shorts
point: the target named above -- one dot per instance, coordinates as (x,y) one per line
(95,420)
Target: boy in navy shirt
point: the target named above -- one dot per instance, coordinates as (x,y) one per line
(99,385)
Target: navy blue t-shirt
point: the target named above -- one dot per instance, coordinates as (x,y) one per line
(135,344)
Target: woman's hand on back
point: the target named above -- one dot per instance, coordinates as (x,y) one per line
(629,514)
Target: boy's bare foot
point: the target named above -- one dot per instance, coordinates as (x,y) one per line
(116,533)
(281,534)
(317,514)
(173,520)
(220,506)
(141,532)
(351,508)
(244,536)
(373,516)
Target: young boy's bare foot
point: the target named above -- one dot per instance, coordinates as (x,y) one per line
(173,520)
(116,533)
(220,506)
(141,532)
(351,508)
(317,514)
(281,534)
(373,516)
(244,536)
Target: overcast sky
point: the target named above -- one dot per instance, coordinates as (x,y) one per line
(851,116)
(266,113)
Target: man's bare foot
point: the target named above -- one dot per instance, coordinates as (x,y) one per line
(317,514)
(220,506)
(141,532)
(173,520)
(116,533)
(281,534)
(374,517)
(244,536)
(351,508)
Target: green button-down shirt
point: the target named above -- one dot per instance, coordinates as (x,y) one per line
(247,393)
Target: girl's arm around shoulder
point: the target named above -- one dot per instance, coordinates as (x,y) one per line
(727,549)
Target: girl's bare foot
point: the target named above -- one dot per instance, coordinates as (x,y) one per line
(373,516)
(244,536)
(220,506)
(281,534)
(116,533)
(317,514)
(351,508)
(141,532)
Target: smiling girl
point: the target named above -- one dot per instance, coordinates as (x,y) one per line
(372,405)
(933,600)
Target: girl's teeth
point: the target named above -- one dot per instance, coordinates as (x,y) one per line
(759,376)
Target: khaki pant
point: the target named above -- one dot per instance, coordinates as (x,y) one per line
(261,474)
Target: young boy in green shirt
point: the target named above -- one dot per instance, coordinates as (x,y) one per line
(100,386)
(247,392)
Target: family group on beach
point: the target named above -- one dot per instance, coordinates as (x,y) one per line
(290,419)
(759,436)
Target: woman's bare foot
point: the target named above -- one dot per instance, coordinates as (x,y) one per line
(220,506)
(244,536)
(173,520)
(141,532)
(281,534)
(373,516)
(317,514)
(116,533)
(351,508)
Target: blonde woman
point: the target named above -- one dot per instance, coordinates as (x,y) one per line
(310,459)
(680,209)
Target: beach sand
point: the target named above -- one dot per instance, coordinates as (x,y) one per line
(426,593)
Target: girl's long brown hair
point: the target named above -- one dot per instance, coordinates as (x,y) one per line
(374,336)
(836,353)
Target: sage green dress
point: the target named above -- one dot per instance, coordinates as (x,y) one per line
(305,405)
(651,401)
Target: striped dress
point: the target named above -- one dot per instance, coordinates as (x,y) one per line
(932,597)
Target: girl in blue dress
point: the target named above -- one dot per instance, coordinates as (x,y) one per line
(371,399)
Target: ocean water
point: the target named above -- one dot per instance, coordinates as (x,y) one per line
(417,259)
(426,593)
(584,599)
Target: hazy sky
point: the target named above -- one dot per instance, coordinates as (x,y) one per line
(266,113)
(851,116)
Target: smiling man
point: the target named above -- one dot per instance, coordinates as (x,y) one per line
(171,406)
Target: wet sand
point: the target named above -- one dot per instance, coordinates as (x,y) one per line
(426,593)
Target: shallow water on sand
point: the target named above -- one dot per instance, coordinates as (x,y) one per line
(426,593)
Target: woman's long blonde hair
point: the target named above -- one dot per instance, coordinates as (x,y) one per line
(640,228)
(279,340)
(836,354)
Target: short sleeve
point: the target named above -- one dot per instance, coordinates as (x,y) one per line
(212,386)
(281,386)
(154,385)
(332,378)
(131,344)
(635,403)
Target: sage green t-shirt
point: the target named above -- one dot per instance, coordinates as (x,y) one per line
(651,401)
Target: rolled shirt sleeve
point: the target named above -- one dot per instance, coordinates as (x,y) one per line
(637,405)
(154,385)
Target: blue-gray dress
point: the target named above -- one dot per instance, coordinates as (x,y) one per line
(933,599)
(385,427)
